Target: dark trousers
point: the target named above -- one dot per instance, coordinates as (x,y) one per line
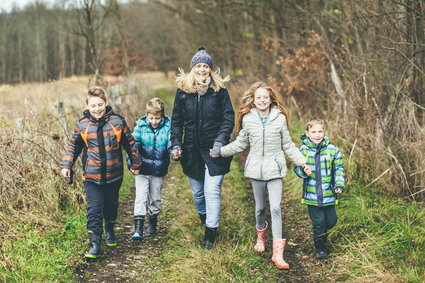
(322,219)
(102,203)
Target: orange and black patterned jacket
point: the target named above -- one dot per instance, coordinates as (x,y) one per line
(101,140)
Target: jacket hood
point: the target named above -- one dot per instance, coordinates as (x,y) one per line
(105,117)
(305,140)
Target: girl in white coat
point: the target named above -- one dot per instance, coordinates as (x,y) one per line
(263,127)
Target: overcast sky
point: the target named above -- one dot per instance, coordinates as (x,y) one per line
(6,5)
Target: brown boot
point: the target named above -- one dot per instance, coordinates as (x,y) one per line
(277,258)
(261,239)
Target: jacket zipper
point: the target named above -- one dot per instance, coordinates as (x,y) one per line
(262,157)
(326,166)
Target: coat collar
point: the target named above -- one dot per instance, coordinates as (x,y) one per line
(305,140)
(143,122)
(104,118)
(274,113)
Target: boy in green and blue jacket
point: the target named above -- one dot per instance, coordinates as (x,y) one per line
(321,187)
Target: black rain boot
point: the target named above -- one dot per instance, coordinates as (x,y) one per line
(320,246)
(138,227)
(153,220)
(209,238)
(111,240)
(94,250)
(203,218)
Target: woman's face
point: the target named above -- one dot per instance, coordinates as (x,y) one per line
(202,70)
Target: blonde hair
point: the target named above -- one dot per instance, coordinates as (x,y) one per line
(187,82)
(155,106)
(248,102)
(96,91)
(314,121)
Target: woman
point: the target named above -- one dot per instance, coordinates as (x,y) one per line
(204,116)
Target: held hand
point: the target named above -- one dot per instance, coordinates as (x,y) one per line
(307,169)
(135,172)
(65,172)
(176,154)
(338,191)
(215,151)
(214,155)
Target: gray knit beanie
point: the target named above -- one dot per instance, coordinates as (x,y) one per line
(201,57)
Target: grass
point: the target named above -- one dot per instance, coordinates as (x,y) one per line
(43,253)
(378,234)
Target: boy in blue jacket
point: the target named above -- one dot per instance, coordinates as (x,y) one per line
(323,180)
(152,136)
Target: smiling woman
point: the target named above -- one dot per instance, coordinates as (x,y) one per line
(202,122)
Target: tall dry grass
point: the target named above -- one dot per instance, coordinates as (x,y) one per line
(378,125)
(33,138)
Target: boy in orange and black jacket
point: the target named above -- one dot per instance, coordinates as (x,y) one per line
(100,135)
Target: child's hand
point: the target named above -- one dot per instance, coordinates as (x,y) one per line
(176,154)
(135,172)
(307,169)
(338,191)
(66,172)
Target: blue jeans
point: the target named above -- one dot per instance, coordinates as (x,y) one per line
(207,197)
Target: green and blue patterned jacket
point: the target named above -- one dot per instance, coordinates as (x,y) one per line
(319,187)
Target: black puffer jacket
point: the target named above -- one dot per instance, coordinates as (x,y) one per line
(201,121)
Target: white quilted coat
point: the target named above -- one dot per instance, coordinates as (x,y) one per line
(268,146)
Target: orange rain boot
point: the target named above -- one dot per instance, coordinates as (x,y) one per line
(261,239)
(277,258)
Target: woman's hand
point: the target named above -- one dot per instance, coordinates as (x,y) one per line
(66,172)
(215,151)
(307,169)
(338,191)
(135,172)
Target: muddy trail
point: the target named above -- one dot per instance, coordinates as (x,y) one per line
(131,261)
(115,263)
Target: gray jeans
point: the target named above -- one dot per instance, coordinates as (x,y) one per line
(274,188)
(148,194)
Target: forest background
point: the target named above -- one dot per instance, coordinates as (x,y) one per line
(358,64)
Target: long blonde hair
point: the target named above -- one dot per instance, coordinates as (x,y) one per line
(248,102)
(187,82)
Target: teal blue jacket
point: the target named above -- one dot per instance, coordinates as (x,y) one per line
(154,146)
(327,166)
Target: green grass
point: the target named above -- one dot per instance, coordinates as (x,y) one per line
(165,95)
(39,253)
(48,255)
(381,234)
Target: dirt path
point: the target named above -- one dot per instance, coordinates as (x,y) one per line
(128,261)
(116,263)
